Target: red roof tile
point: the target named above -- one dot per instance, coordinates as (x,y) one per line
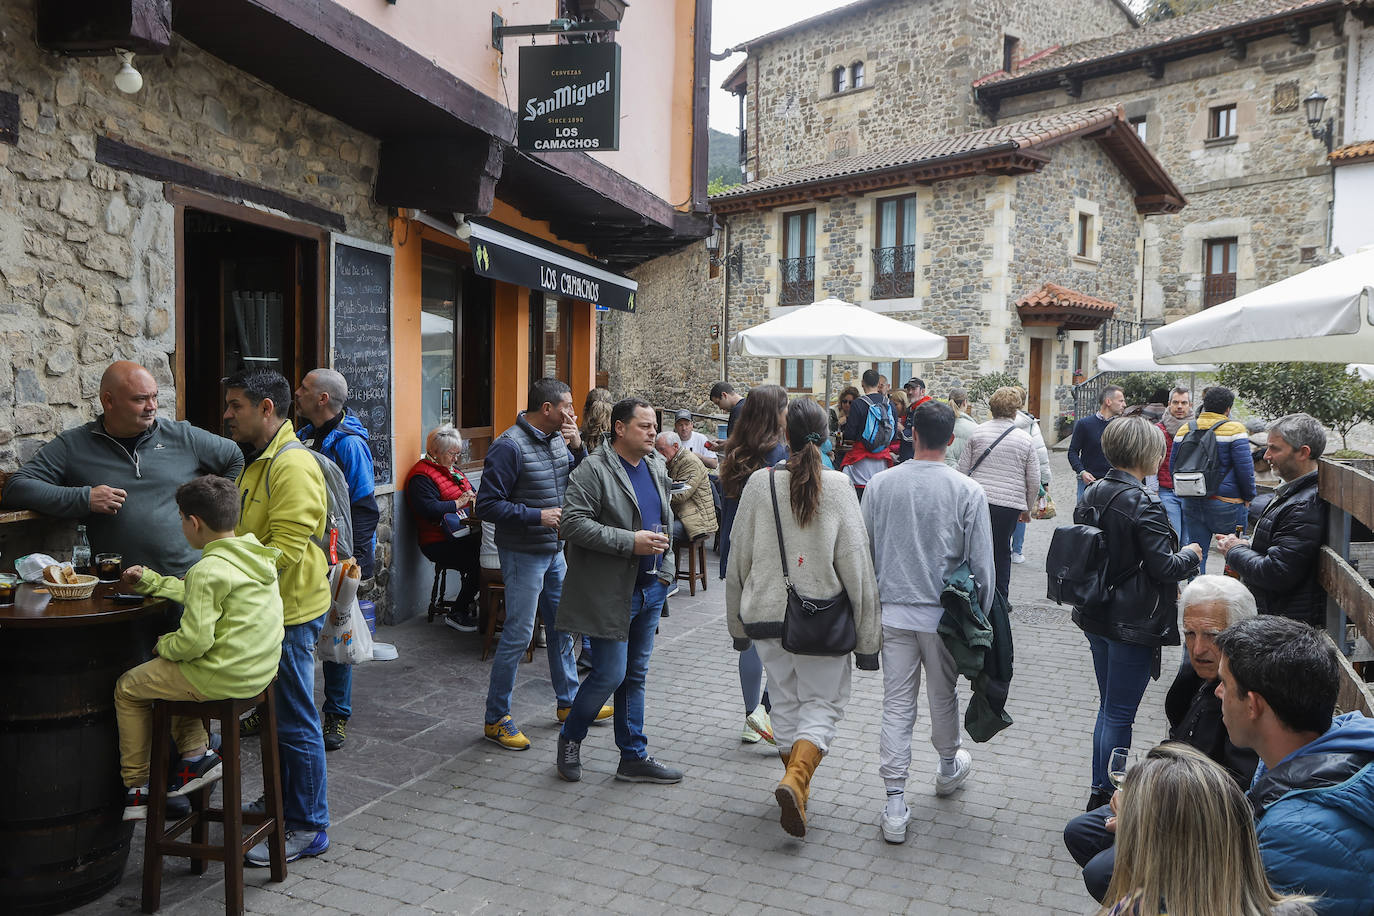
(1355,152)
(1157,35)
(1054,295)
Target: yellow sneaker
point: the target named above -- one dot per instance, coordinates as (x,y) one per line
(605,713)
(506,734)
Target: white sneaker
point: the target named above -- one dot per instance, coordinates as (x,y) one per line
(761,724)
(963,765)
(749,736)
(1018,558)
(894,828)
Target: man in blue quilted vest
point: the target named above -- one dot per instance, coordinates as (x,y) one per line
(524,477)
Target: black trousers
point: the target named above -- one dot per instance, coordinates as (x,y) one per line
(1003,527)
(460,554)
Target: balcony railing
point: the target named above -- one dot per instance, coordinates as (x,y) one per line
(798,279)
(1218,288)
(1117,332)
(894,272)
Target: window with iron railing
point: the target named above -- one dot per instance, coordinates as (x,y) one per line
(1219,282)
(797,266)
(894,254)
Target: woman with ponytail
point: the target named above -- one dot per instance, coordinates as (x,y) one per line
(827,552)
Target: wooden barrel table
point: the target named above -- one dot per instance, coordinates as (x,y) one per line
(63,841)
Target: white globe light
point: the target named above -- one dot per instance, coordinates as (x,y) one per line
(127,79)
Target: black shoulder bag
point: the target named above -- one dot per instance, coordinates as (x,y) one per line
(812,626)
(988,451)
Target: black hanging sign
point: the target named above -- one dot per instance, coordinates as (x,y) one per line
(509,255)
(569,97)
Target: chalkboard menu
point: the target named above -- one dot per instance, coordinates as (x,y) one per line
(362,340)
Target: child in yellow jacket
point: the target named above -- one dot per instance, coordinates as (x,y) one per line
(228,644)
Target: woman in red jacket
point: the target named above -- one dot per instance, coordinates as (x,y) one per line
(435,488)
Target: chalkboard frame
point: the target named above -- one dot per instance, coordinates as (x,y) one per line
(335,240)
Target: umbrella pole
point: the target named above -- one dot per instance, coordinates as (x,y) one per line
(827,389)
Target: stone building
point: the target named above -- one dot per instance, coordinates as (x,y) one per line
(327,183)
(1217,96)
(1013,242)
(1353,163)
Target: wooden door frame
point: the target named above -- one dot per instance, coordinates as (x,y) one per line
(183,199)
(1035,375)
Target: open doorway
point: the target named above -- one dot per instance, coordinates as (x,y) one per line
(252,299)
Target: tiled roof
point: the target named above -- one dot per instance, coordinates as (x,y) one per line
(1158,35)
(1056,296)
(736,80)
(1355,152)
(1005,137)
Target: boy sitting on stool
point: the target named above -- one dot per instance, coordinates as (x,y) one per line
(228,645)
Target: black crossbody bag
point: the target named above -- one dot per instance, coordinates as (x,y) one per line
(812,626)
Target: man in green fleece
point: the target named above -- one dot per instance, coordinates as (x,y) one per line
(228,644)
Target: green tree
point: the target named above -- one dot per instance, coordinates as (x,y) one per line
(717,185)
(1336,398)
(983,387)
(1138,386)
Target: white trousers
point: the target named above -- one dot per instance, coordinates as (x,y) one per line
(809,693)
(905,653)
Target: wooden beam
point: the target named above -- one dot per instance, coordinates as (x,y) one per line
(128,158)
(1072,85)
(1154,66)
(446,174)
(1348,588)
(1234,45)
(1300,33)
(98,27)
(1354,694)
(1348,487)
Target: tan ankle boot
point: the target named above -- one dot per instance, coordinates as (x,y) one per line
(795,787)
(784,755)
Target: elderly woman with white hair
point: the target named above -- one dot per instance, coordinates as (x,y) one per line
(1208,605)
(440,497)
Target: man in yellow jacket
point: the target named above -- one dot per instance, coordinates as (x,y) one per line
(283,501)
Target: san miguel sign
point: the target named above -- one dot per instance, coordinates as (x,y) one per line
(569,97)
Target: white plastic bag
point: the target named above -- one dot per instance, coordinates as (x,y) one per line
(345,638)
(30,568)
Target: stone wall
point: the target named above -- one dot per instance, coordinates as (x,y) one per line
(87,254)
(1270,187)
(919,59)
(663,351)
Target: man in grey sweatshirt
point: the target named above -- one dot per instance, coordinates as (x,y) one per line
(924,520)
(119,473)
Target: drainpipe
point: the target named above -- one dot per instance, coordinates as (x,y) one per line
(725,311)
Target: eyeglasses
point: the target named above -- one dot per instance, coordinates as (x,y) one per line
(845,402)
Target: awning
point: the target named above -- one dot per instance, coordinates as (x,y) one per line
(503,253)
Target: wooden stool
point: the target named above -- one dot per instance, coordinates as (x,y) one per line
(492,600)
(436,592)
(696,562)
(161,838)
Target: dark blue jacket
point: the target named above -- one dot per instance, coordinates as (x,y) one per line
(524,473)
(1315,818)
(346,444)
(1085,447)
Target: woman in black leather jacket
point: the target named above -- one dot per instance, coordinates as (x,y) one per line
(1145,565)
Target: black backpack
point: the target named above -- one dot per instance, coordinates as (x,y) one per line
(1076,565)
(1197,463)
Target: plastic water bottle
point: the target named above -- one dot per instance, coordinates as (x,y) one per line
(81,552)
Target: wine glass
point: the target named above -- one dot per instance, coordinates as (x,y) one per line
(1118,764)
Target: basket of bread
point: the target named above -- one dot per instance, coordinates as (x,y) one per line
(66,584)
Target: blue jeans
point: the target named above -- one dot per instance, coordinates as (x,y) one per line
(1081,487)
(338,690)
(305,803)
(534,581)
(1018,538)
(1093,848)
(621,668)
(1203,518)
(1173,507)
(1123,671)
(728,508)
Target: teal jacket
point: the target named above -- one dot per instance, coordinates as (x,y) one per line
(982,649)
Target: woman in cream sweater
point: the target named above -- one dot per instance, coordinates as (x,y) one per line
(827,551)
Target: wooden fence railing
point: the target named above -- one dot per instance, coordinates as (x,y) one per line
(1348,488)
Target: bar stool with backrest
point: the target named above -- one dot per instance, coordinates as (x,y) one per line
(162,837)
(696,562)
(493,603)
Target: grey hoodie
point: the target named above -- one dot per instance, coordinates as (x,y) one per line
(147,529)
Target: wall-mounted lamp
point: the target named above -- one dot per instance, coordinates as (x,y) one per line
(127,79)
(733,260)
(1314,105)
(464,229)
(1061,335)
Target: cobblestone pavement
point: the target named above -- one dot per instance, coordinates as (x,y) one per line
(430,818)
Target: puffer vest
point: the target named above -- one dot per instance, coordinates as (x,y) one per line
(451,486)
(544,469)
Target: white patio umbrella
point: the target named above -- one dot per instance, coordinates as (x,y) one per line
(1139,357)
(1321,315)
(834,329)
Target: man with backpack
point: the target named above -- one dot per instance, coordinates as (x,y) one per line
(1212,470)
(341,437)
(285,503)
(870,428)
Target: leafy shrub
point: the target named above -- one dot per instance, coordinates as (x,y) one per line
(1334,397)
(983,387)
(1139,386)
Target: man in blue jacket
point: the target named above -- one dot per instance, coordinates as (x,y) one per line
(341,437)
(1313,793)
(1229,507)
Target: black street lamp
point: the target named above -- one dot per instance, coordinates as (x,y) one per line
(1314,105)
(733,261)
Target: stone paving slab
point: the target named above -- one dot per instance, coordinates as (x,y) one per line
(430,818)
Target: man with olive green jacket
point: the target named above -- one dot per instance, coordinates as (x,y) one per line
(616,520)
